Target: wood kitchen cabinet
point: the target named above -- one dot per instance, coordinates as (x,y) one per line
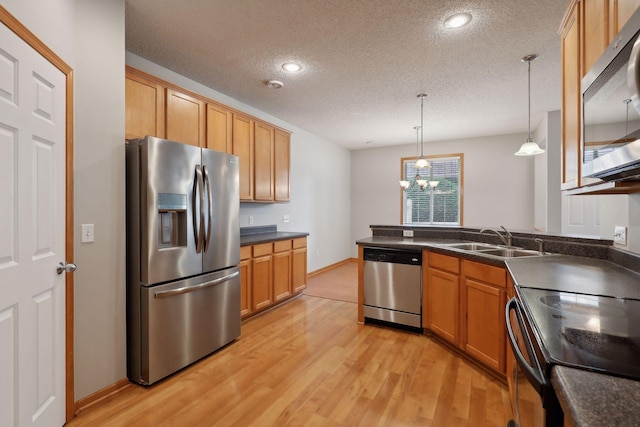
(144,106)
(185,118)
(510,362)
(243,148)
(271,273)
(571,95)
(219,128)
(282,162)
(263,162)
(299,264)
(483,301)
(443,296)
(262,270)
(281,269)
(246,278)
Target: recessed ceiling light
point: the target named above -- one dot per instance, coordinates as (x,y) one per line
(292,67)
(458,20)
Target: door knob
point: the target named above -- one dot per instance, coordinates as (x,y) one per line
(63,267)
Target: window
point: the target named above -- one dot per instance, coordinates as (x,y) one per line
(436,204)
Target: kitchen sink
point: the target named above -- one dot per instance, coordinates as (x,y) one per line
(509,253)
(472,246)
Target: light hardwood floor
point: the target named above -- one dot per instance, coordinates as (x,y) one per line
(308,363)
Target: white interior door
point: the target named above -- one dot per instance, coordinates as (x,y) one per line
(32,236)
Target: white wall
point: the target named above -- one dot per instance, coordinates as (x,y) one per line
(89,36)
(498,186)
(320,173)
(100,323)
(547,175)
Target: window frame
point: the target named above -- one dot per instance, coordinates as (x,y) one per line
(461,187)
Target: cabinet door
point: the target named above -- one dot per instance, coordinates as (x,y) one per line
(243,148)
(282,165)
(485,324)
(262,292)
(298,269)
(281,275)
(595,31)
(144,107)
(219,125)
(185,118)
(245,287)
(263,162)
(571,129)
(443,304)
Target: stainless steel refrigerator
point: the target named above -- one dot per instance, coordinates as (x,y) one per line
(183,247)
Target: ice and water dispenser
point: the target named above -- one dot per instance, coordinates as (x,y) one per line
(172,220)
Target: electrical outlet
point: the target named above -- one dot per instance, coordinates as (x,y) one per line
(250,220)
(620,235)
(88,233)
(407,233)
(317,252)
(286,218)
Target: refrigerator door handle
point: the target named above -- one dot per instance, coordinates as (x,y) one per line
(187,289)
(209,211)
(198,214)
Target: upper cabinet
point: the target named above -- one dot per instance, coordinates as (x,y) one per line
(219,128)
(243,148)
(571,75)
(282,144)
(588,27)
(158,108)
(144,100)
(185,118)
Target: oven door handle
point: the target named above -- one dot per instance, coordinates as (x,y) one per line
(533,374)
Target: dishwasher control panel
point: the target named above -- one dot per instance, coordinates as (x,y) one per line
(395,256)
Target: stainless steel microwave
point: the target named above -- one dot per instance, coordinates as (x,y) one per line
(610,146)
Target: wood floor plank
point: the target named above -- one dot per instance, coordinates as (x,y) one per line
(308,363)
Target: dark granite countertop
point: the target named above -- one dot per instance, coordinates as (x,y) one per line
(253,239)
(592,399)
(265,234)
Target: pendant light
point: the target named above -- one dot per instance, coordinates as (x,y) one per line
(422,162)
(529,148)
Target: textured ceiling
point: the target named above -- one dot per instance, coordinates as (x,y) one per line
(364,61)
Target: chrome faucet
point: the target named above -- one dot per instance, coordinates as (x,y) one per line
(506,240)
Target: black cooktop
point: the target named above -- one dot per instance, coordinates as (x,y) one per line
(598,333)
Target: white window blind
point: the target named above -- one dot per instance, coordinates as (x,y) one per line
(438,205)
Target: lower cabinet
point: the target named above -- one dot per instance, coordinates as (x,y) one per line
(465,302)
(442,296)
(483,300)
(271,273)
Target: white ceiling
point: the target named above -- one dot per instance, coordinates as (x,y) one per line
(364,61)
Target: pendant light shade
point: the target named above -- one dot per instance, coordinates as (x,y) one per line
(529,148)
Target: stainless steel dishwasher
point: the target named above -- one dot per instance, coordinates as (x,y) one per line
(393,286)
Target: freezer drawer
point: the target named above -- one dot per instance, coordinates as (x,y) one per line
(182,322)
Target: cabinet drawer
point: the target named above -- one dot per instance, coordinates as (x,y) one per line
(444,262)
(485,273)
(262,249)
(282,246)
(245,252)
(300,243)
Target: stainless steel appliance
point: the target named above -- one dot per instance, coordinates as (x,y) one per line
(551,327)
(393,286)
(183,247)
(610,145)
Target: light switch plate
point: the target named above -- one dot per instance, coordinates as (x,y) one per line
(620,235)
(407,233)
(88,234)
